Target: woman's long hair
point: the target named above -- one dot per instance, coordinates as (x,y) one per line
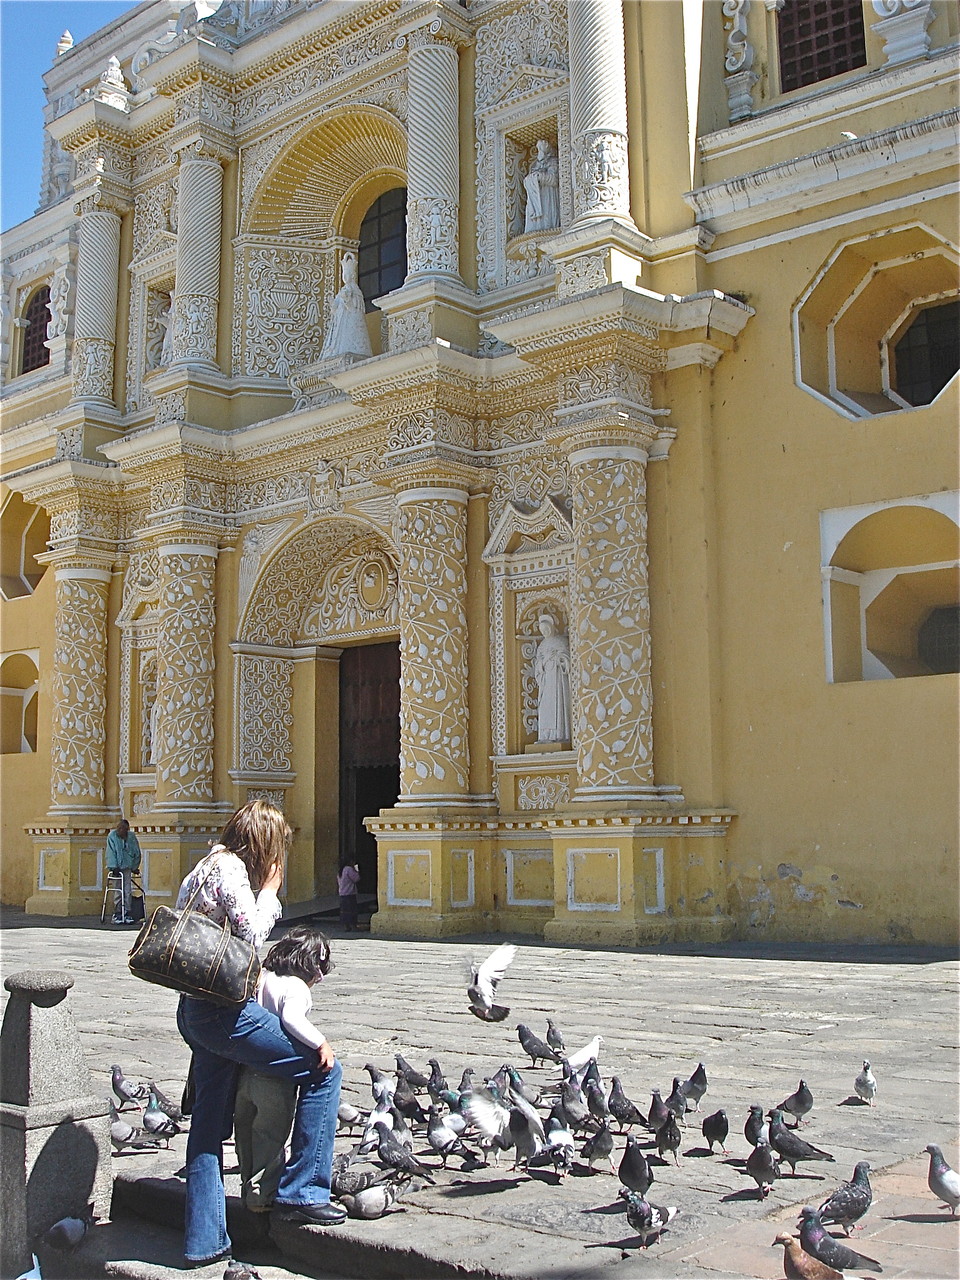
(260,835)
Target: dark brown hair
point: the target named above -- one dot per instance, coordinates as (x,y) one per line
(260,835)
(302,952)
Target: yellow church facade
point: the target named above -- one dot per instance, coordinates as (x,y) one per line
(516,437)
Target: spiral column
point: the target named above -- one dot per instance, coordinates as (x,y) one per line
(95,318)
(433,160)
(197,288)
(598,109)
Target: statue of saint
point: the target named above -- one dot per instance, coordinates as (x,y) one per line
(551,667)
(347,334)
(542,184)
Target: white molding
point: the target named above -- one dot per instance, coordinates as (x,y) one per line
(573,902)
(392,899)
(661,904)
(42,871)
(470,899)
(532,854)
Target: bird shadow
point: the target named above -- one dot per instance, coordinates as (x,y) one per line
(736,1162)
(481,1188)
(803,1177)
(852,1101)
(630,1242)
(748,1193)
(922,1217)
(698,1152)
(616,1207)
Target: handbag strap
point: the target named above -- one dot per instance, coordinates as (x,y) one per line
(188,905)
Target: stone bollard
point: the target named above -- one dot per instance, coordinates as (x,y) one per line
(54,1132)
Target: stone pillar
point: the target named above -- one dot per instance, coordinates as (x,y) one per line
(598,110)
(197,288)
(183,742)
(433,155)
(79,692)
(54,1132)
(434,754)
(95,316)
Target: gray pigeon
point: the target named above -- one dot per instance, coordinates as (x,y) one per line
(648,1220)
(669,1137)
(443,1137)
(865,1085)
(599,1146)
(942,1180)
(379,1083)
(850,1201)
(527,1133)
(560,1146)
(124,1136)
(763,1167)
(157,1122)
(596,1102)
(374,1201)
(414,1078)
(166,1106)
(696,1086)
(128,1091)
(555,1037)
(677,1102)
(437,1083)
(635,1172)
(577,1114)
(396,1156)
(66,1235)
(538,1049)
(348,1115)
(798,1104)
(240,1271)
(715,1129)
(790,1148)
(484,979)
(625,1112)
(658,1112)
(818,1242)
(756,1129)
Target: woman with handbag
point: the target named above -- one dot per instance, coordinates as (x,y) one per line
(238,881)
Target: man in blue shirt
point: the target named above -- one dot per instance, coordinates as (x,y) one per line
(123,856)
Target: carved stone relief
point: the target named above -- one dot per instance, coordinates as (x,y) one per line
(279,309)
(265,713)
(357,595)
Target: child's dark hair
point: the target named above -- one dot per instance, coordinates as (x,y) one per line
(302,952)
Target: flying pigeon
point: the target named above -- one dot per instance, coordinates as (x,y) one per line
(374,1201)
(799,1103)
(865,1085)
(715,1129)
(625,1112)
(668,1137)
(488,1114)
(555,1037)
(484,979)
(696,1086)
(790,1148)
(756,1129)
(798,1265)
(635,1172)
(538,1049)
(582,1057)
(850,1201)
(942,1180)
(599,1146)
(65,1236)
(648,1220)
(396,1156)
(166,1106)
(815,1239)
(763,1167)
(126,1090)
(527,1133)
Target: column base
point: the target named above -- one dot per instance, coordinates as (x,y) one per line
(640,933)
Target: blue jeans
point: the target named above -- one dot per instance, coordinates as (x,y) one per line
(222,1039)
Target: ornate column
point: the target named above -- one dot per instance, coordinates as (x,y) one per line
(598,111)
(433,154)
(183,742)
(197,288)
(95,316)
(434,752)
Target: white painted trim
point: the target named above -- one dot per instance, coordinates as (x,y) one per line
(574,903)
(836,522)
(426,494)
(392,899)
(97,885)
(82,575)
(661,904)
(512,899)
(601,453)
(471,891)
(42,872)
(188,549)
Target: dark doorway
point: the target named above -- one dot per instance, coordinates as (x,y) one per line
(369,749)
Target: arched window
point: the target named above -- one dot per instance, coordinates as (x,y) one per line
(382,257)
(818,39)
(33,353)
(18,704)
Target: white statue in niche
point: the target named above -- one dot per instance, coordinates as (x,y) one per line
(347,334)
(542,184)
(551,668)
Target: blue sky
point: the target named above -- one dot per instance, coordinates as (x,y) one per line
(29,31)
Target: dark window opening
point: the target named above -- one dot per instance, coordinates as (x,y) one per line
(928,354)
(818,39)
(382,257)
(938,640)
(34,355)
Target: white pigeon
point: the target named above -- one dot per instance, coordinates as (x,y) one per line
(492,1119)
(483,984)
(865,1084)
(34,1271)
(580,1059)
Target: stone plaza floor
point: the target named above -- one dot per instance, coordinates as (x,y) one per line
(759,1018)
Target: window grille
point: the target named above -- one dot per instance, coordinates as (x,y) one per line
(34,355)
(818,39)
(382,256)
(928,354)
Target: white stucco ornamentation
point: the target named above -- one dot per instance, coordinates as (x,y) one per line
(79,692)
(92,369)
(602,189)
(536,791)
(280,294)
(257,543)
(356,596)
(738,59)
(265,713)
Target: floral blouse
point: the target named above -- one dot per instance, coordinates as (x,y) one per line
(226,894)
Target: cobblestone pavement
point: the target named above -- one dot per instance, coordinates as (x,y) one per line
(758,1018)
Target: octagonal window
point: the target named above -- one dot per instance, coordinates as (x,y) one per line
(928,354)
(938,640)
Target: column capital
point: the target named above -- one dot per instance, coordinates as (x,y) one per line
(105,198)
(435,22)
(202,148)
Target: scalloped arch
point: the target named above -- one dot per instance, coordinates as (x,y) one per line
(302,192)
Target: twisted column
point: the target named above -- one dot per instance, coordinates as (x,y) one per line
(79,691)
(433,156)
(434,753)
(183,739)
(598,110)
(95,317)
(197,287)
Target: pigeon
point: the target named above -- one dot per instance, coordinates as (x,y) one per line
(126,1090)
(414,1078)
(466,1080)
(374,1201)
(677,1102)
(66,1235)
(790,1148)
(668,1137)
(590,1074)
(485,978)
(555,1037)
(396,1156)
(406,1102)
(382,1113)
(696,1086)
(635,1172)
(348,1115)
(538,1049)
(124,1135)
(560,1146)
(798,1265)
(437,1082)
(487,1113)
(400,1129)
(575,1110)
(756,1129)
(657,1115)
(379,1083)
(599,1146)
(865,1085)
(348,1181)
(580,1059)
(763,1167)
(799,1103)
(625,1112)
(443,1137)
(527,1133)
(715,1129)
(850,1201)
(596,1102)
(648,1220)
(157,1122)
(815,1240)
(166,1106)
(240,1271)
(943,1181)
(519,1086)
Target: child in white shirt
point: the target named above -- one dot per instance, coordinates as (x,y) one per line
(265,1105)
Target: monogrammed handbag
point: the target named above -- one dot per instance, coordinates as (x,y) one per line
(191,953)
